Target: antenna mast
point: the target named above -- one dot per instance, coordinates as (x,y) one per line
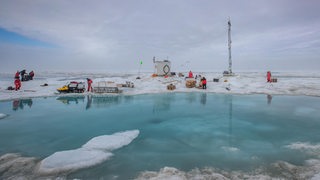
(229,46)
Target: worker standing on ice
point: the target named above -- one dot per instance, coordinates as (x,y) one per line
(89,81)
(31,75)
(17,84)
(17,76)
(269,76)
(190,74)
(204,83)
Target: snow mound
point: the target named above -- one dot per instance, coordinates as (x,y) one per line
(72,160)
(306,147)
(3,115)
(111,142)
(206,173)
(315,177)
(284,170)
(94,152)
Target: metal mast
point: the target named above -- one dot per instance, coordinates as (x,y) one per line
(229,46)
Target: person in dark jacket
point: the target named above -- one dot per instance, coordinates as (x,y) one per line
(23,73)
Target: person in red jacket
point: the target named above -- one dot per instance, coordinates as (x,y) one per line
(190,74)
(89,81)
(269,76)
(204,83)
(31,75)
(17,84)
(17,76)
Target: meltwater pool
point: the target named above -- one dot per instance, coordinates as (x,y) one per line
(181,130)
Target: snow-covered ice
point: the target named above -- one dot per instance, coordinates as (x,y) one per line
(310,169)
(302,83)
(2,115)
(56,166)
(71,160)
(111,142)
(95,151)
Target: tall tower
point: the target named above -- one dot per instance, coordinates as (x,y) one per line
(229,72)
(229,46)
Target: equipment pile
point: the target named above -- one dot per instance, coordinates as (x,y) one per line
(171,87)
(190,83)
(106,87)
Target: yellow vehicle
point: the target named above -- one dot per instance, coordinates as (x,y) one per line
(73,87)
(63,89)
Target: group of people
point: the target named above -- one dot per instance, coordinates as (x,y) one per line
(203,80)
(24,77)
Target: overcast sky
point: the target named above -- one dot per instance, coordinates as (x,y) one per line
(115,35)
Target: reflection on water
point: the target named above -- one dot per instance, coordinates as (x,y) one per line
(107,101)
(203,99)
(21,103)
(192,97)
(229,99)
(160,103)
(89,101)
(70,99)
(269,97)
(163,103)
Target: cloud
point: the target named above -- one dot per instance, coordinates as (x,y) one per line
(113,33)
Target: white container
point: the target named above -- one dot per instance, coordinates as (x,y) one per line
(162,67)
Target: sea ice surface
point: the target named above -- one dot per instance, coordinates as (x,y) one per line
(303,83)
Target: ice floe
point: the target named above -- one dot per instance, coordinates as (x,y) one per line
(72,160)
(59,164)
(111,142)
(2,116)
(95,151)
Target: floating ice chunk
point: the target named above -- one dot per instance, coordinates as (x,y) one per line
(112,142)
(72,160)
(230,149)
(92,153)
(3,115)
